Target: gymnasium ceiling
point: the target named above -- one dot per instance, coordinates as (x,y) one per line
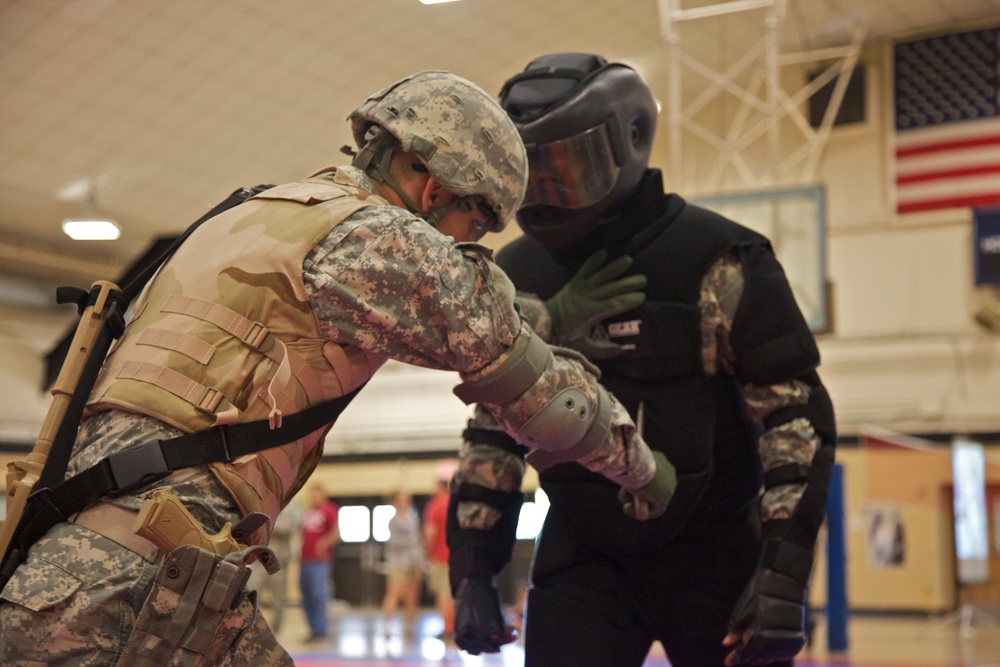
(161,108)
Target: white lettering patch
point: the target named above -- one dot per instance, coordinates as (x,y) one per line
(627,328)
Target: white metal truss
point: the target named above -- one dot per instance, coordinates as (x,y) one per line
(767,141)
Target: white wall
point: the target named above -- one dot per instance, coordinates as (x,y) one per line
(26,335)
(904,352)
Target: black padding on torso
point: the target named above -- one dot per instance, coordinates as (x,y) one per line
(689,417)
(779,346)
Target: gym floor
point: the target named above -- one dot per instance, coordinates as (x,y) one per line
(359,638)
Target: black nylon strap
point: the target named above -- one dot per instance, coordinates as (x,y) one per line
(492,497)
(789,473)
(498,439)
(785,415)
(137,466)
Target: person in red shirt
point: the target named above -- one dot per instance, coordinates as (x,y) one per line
(435,521)
(320,534)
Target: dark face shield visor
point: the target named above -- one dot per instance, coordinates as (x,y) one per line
(572,173)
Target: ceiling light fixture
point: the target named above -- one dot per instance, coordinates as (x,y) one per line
(436,2)
(79,229)
(92,225)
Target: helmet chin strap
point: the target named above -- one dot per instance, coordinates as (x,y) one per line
(463,204)
(374,159)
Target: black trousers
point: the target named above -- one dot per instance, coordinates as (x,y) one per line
(592,609)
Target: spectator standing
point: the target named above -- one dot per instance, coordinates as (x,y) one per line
(287,528)
(435,522)
(404,561)
(320,534)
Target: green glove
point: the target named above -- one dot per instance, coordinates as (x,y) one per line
(651,500)
(594,294)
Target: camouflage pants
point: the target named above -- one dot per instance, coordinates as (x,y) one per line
(76,599)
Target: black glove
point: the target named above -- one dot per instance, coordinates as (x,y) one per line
(479,622)
(768,624)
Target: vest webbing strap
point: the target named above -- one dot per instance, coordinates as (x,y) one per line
(137,466)
(189,346)
(250,332)
(205,399)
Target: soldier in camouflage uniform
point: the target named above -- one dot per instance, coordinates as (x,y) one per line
(717,365)
(295,297)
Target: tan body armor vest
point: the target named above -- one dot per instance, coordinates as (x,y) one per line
(225,333)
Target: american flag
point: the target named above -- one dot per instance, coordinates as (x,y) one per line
(947,121)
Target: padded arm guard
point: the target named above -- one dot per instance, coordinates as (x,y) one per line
(475,553)
(804,524)
(770,615)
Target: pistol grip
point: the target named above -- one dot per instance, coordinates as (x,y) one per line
(164,521)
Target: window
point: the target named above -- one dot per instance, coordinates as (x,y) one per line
(529,523)
(380,521)
(355,523)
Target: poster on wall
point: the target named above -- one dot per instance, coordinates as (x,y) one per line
(972,547)
(886,539)
(986,246)
(996,525)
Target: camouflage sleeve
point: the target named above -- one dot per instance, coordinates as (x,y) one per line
(389,283)
(534,312)
(792,442)
(487,466)
(721,289)
(493,467)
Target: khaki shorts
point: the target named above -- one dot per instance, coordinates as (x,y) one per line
(401,575)
(437,578)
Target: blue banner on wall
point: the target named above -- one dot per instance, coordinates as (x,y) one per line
(986,240)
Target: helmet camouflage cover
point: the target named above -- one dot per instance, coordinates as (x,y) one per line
(467,141)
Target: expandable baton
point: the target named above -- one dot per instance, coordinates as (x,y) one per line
(24,474)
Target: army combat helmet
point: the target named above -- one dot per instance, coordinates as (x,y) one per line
(467,142)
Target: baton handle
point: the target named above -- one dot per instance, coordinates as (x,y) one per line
(22,475)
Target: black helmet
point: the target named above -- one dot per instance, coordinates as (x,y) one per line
(588,126)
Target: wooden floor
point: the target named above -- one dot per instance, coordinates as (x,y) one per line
(359,638)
